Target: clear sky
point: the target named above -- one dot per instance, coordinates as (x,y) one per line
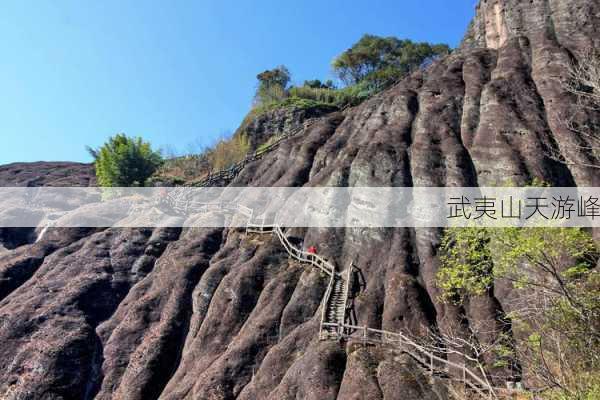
(178,73)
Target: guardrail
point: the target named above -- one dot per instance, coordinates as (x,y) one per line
(346,292)
(415,350)
(323,334)
(186,206)
(294,252)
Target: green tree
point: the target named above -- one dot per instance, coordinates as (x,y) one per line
(381,61)
(557,310)
(317,84)
(272,85)
(125,161)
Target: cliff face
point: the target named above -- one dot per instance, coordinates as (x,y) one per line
(47,174)
(277,122)
(214,313)
(40,174)
(568,25)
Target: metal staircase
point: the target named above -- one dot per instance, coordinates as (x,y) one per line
(335,309)
(335,305)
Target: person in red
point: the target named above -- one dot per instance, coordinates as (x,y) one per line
(312,250)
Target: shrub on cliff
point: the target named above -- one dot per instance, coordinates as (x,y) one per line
(228,151)
(125,161)
(274,92)
(349,95)
(191,168)
(180,169)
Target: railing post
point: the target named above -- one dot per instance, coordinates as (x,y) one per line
(431,363)
(464,374)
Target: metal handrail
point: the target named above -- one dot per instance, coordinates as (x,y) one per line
(324,306)
(302,255)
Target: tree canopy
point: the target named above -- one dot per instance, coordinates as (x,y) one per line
(125,161)
(381,60)
(317,84)
(555,317)
(272,84)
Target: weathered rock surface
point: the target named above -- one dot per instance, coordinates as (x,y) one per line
(276,122)
(216,314)
(45,173)
(40,174)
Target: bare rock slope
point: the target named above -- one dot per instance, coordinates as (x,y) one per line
(44,173)
(218,314)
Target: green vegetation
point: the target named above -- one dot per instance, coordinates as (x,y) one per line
(554,270)
(225,152)
(349,95)
(179,170)
(228,151)
(317,84)
(381,61)
(272,85)
(466,263)
(273,92)
(124,161)
(291,103)
(371,65)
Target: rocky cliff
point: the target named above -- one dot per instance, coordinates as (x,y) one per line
(47,174)
(218,314)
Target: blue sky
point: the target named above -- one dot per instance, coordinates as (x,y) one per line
(178,73)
